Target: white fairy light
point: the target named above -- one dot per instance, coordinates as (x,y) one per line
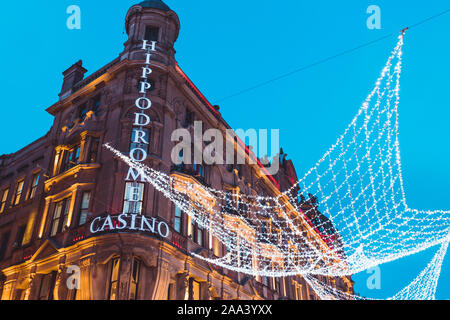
(359,188)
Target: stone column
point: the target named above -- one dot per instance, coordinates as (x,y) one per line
(8,289)
(1,286)
(207,289)
(44,218)
(87,273)
(162,280)
(126,263)
(84,145)
(182,285)
(60,291)
(30,292)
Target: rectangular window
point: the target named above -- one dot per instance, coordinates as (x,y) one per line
(82,111)
(177,223)
(84,208)
(72,158)
(114,279)
(151,33)
(189,119)
(3,200)
(4,245)
(34,185)
(19,189)
(92,158)
(20,235)
(199,238)
(134,283)
(47,286)
(96,105)
(134,198)
(60,216)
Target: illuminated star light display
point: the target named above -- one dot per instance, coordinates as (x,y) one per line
(359,188)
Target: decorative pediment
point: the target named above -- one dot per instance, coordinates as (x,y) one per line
(47,249)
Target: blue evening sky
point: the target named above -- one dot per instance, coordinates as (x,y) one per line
(227,46)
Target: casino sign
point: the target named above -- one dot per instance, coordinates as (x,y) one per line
(129,222)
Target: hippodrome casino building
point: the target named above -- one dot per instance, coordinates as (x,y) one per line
(52,191)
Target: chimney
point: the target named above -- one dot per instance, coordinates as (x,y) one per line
(72,76)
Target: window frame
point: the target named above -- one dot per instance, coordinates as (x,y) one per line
(93,150)
(135,278)
(84,211)
(82,111)
(34,185)
(63,216)
(4,200)
(179,219)
(96,105)
(147,32)
(114,279)
(71,154)
(17,194)
(20,235)
(130,202)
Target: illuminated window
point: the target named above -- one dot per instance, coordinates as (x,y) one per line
(47,286)
(114,279)
(194,232)
(84,209)
(60,216)
(3,200)
(19,189)
(151,33)
(134,283)
(34,185)
(134,198)
(177,223)
(194,289)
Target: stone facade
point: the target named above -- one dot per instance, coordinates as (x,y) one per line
(51,190)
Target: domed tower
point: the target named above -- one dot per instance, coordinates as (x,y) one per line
(152,20)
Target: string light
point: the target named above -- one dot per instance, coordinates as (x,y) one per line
(358,186)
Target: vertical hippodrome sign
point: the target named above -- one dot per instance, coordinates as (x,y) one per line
(139,137)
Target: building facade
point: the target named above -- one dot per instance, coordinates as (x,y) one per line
(52,191)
